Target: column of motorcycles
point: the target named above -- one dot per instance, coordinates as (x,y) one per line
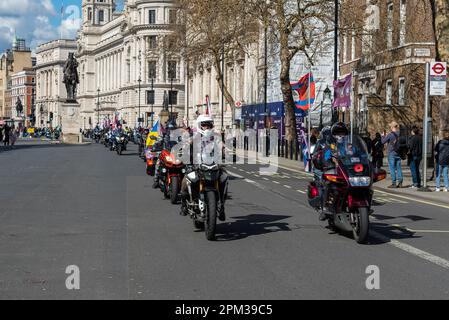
(341,191)
(202,189)
(115,140)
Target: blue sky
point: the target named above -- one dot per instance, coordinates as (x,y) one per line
(38,21)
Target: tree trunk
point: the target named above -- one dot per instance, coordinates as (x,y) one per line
(228,96)
(289,104)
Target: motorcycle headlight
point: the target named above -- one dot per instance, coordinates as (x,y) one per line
(360,181)
(164,170)
(122,138)
(169,159)
(183,170)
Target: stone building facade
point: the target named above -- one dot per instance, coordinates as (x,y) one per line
(387,50)
(123,66)
(13,60)
(23,89)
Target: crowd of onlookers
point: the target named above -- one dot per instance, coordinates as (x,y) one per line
(400,148)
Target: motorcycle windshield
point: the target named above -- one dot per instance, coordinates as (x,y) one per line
(353,154)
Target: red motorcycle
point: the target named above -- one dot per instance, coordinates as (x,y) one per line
(171,173)
(343,186)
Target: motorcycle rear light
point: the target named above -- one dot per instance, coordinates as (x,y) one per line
(314,192)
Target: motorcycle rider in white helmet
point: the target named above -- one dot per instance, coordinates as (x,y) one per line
(205,127)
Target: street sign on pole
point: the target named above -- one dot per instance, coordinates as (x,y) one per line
(426,128)
(438,79)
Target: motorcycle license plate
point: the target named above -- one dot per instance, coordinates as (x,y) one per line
(355,160)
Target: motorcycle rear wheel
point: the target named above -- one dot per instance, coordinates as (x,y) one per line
(361,229)
(211,220)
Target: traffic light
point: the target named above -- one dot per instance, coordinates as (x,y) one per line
(51,116)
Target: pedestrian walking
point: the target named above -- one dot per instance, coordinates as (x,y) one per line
(6,134)
(378,151)
(415,156)
(442,148)
(395,149)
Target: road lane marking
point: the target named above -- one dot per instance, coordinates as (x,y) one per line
(276,182)
(416,200)
(418,231)
(300,191)
(287,186)
(412,250)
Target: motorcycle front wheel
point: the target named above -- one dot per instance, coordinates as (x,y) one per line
(361,228)
(211,219)
(119,150)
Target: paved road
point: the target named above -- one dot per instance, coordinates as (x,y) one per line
(85,206)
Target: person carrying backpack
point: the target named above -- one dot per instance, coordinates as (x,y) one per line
(396,150)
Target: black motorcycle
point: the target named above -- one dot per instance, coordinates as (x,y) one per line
(206,198)
(120,143)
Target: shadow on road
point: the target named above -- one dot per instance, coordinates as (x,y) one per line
(389,233)
(252,225)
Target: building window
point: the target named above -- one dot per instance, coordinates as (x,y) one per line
(389,93)
(89,14)
(173,97)
(172,69)
(172,17)
(403,22)
(401,91)
(152,67)
(150,97)
(101,16)
(152,17)
(152,42)
(390,27)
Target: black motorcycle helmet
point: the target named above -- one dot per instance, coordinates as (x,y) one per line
(339,129)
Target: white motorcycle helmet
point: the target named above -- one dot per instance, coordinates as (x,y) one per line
(205,125)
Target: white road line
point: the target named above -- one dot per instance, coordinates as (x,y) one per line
(266,179)
(412,250)
(418,231)
(288,187)
(415,200)
(300,191)
(276,182)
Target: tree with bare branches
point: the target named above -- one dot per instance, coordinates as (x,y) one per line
(300,26)
(213,30)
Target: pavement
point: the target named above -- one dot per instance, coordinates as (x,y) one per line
(85,206)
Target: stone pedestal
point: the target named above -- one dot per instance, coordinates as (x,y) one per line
(70,123)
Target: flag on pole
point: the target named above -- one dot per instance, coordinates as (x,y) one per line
(342,88)
(305,89)
(153,133)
